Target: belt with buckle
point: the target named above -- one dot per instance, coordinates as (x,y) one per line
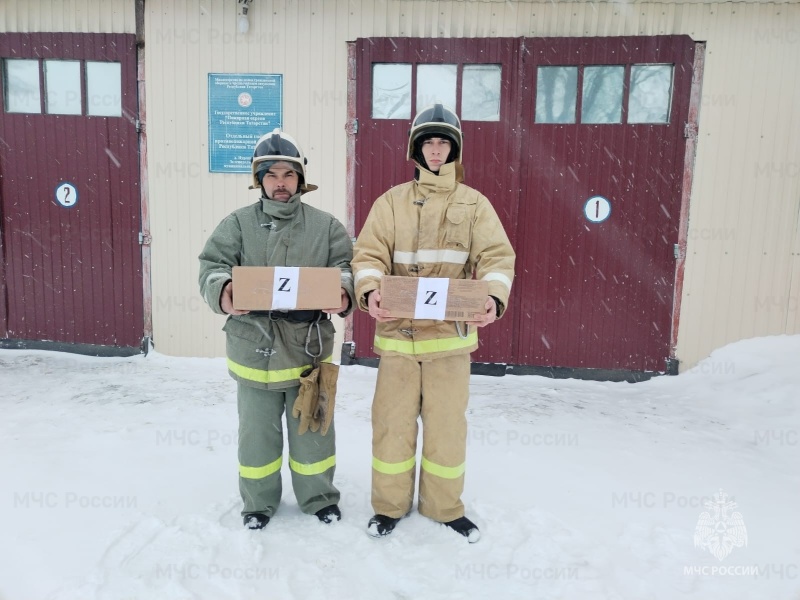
(293,316)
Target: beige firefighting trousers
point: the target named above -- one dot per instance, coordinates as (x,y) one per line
(438,391)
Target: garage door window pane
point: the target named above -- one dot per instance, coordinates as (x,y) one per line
(436,83)
(480,93)
(62,80)
(104,89)
(391,91)
(556,90)
(602,94)
(651,94)
(22,86)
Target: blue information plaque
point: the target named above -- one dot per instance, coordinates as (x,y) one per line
(241,108)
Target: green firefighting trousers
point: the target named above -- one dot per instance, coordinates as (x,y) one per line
(312,457)
(438,391)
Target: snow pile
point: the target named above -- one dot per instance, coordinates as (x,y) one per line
(120,482)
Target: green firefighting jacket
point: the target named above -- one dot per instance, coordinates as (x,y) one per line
(263,352)
(433,226)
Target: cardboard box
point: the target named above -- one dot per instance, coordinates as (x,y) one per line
(434,298)
(286,288)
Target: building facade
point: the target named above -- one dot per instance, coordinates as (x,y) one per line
(640,154)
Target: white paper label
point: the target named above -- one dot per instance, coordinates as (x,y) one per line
(66,194)
(597,209)
(431,298)
(284,288)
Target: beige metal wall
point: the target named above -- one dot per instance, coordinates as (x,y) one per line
(71,16)
(743,264)
(303,41)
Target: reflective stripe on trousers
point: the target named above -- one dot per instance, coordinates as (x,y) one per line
(298,467)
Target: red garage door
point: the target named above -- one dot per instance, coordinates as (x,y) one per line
(579,144)
(71,263)
(603,160)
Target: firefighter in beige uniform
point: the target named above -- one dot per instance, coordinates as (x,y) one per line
(269,351)
(433,226)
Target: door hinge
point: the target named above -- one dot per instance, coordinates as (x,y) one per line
(690,131)
(145,239)
(352,127)
(139,126)
(676,251)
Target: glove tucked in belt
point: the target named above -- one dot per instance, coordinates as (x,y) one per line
(305,405)
(316,398)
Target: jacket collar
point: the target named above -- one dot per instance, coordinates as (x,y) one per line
(281,210)
(443,181)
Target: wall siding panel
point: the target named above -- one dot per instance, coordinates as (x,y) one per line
(68,16)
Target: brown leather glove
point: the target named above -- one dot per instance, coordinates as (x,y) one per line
(328,376)
(306,403)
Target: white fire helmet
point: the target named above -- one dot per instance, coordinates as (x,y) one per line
(275,147)
(435,121)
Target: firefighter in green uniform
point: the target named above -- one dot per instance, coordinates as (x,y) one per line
(432,226)
(267,352)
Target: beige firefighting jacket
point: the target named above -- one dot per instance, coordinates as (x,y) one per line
(432,227)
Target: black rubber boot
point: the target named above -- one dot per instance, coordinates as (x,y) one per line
(255,520)
(466,528)
(381,525)
(329,514)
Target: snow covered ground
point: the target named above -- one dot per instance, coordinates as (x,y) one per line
(119,481)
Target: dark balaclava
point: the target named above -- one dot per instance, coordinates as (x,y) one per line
(420,158)
(265,166)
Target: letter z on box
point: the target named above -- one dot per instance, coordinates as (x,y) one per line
(435,298)
(286,288)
